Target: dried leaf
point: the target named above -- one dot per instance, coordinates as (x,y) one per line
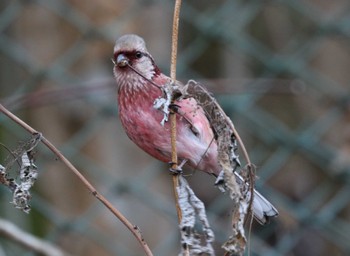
(229,161)
(192,208)
(27,176)
(28,173)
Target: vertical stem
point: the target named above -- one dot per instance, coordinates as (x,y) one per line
(175,39)
(174,164)
(172,114)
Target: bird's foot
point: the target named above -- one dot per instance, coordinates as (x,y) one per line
(178,169)
(174,107)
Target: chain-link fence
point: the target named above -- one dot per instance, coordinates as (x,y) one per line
(280,69)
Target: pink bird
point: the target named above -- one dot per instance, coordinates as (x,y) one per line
(139,83)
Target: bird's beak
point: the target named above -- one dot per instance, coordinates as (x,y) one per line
(122,61)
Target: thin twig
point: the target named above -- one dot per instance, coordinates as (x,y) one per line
(175,35)
(30,242)
(175,39)
(133,229)
(172,113)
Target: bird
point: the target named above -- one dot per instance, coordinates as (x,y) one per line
(139,82)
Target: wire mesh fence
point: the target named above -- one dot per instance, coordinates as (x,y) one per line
(280,69)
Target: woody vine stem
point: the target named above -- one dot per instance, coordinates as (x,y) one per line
(133,228)
(172,114)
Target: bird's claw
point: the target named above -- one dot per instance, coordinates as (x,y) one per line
(178,169)
(174,107)
(175,171)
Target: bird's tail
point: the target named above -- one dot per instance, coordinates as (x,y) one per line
(263,210)
(261,207)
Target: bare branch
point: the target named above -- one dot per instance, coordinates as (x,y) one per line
(12,232)
(172,114)
(135,231)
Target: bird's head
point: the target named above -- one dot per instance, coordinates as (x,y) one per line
(132,61)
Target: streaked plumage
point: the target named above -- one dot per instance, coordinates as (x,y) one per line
(133,69)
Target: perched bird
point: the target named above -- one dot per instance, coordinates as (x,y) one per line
(139,83)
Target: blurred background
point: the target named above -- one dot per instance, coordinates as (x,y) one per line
(279,68)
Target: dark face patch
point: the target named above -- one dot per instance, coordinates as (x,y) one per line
(135,55)
(132,56)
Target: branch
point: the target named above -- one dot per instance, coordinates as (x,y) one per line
(172,113)
(174,159)
(175,39)
(133,229)
(11,231)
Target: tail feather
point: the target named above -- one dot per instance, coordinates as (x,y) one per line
(262,208)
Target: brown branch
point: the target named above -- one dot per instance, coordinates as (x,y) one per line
(175,39)
(172,113)
(133,229)
(30,242)
(175,35)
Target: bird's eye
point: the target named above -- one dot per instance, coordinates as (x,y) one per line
(138,55)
